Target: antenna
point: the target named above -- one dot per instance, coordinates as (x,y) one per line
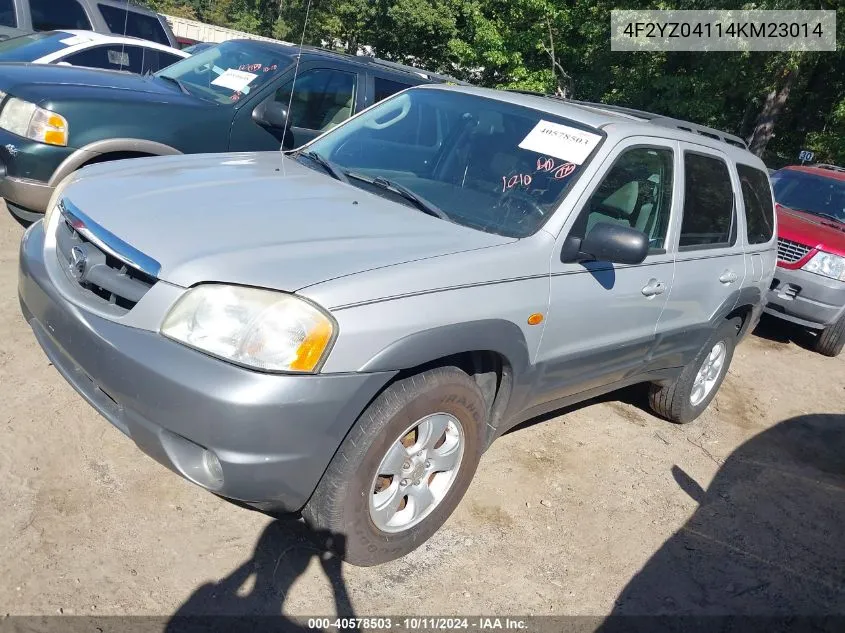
(125,25)
(295,73)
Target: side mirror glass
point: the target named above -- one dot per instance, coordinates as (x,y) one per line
(271,114)
(606,242)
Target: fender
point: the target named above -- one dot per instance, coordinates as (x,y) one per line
(496,335)
(108,146)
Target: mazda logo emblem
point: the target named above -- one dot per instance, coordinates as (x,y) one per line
(77,263)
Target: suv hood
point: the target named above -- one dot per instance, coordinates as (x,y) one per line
(811,230)
(258,219)
(42,82)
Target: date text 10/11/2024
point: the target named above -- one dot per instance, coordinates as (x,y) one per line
(422,623)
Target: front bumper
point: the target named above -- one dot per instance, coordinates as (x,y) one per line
(274,435)
(806,298)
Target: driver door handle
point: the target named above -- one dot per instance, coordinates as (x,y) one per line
(654,288)
(728,277)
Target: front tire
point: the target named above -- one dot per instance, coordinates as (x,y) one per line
(403,468)
(831,340)
(686,398)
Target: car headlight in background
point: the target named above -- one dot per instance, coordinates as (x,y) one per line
(263,329)
(28,120)
(826,264)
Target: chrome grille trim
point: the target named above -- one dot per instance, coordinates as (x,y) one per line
(790,252)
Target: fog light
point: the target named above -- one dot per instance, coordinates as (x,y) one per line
(212,465)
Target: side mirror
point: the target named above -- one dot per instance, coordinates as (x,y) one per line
(606,242)
(271,114)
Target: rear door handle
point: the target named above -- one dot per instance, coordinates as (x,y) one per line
(653,288)
(728,277)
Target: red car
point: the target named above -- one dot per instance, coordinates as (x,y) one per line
(809,284)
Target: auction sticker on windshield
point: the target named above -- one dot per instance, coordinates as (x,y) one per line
(235,80)
(560,141)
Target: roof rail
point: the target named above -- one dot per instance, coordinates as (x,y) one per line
(425,74)
(651,117)
(828,166)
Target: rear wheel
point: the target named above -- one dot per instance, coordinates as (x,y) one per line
(685,398)
(403,468)
(831,340)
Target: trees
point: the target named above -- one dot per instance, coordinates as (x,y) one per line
(781,102)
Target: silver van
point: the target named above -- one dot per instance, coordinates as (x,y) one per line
(343,330)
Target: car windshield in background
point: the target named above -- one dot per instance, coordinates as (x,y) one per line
(807,192)
(228,71)
(27,48)
(484,163)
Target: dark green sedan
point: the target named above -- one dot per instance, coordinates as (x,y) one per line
(232,97)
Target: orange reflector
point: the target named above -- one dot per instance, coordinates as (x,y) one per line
(535,319)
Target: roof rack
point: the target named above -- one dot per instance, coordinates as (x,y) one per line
(828,166)
(651,117)
(425,74)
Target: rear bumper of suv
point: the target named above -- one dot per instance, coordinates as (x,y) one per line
(805,298)
(273,435)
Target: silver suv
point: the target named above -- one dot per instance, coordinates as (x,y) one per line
(343,330)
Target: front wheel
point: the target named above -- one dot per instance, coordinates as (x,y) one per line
(685,398)
(831,340)
(403,468)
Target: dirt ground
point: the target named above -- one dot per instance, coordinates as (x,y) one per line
(601,509)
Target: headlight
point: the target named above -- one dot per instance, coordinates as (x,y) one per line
(28,120)
(264,329)
(826,264)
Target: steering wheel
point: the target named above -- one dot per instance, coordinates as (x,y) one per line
(514,200)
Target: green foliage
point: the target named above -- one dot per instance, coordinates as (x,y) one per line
(509,44)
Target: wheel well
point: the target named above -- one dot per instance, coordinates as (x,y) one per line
(491,372)
(110,156)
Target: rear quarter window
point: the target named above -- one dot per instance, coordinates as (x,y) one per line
(708,220)
(8,17)
(757,198)
(127,22)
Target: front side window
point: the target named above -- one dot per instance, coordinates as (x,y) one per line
(501,168)
(122,21)
(155,60)
(811,193)
(636,192)
(708,203)
(49,15)
(7,13)
(227,72)
(757,198)
(322,98)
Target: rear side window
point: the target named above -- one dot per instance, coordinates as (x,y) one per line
(708,219)
(125,22)
(113,57)
(49,15)
(7,13)
(385,87)
(757,197)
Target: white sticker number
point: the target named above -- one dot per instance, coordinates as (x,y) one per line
(233,79)
(561,141)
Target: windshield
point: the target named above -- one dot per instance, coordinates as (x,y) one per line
(28,48)
(807,192)
(228,71)
(485,163)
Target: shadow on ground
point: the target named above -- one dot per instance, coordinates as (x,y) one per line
(779,331)
(766,539)
(258,588)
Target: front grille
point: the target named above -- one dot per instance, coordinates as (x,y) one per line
(790,252)
(103,277)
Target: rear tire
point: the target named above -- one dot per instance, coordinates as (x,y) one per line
(686,398)
(831,340)
(346,503)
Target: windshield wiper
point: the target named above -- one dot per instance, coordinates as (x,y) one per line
(335,171)
(821,214)
(421,203)
(177,82)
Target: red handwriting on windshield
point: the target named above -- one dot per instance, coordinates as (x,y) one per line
(249,67)
(558,170)
(521,180)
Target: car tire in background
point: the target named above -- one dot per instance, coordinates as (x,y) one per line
(419,442)
(831,340)
(686,397)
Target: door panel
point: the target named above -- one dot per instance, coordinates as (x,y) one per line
(710,264)
(602,317)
